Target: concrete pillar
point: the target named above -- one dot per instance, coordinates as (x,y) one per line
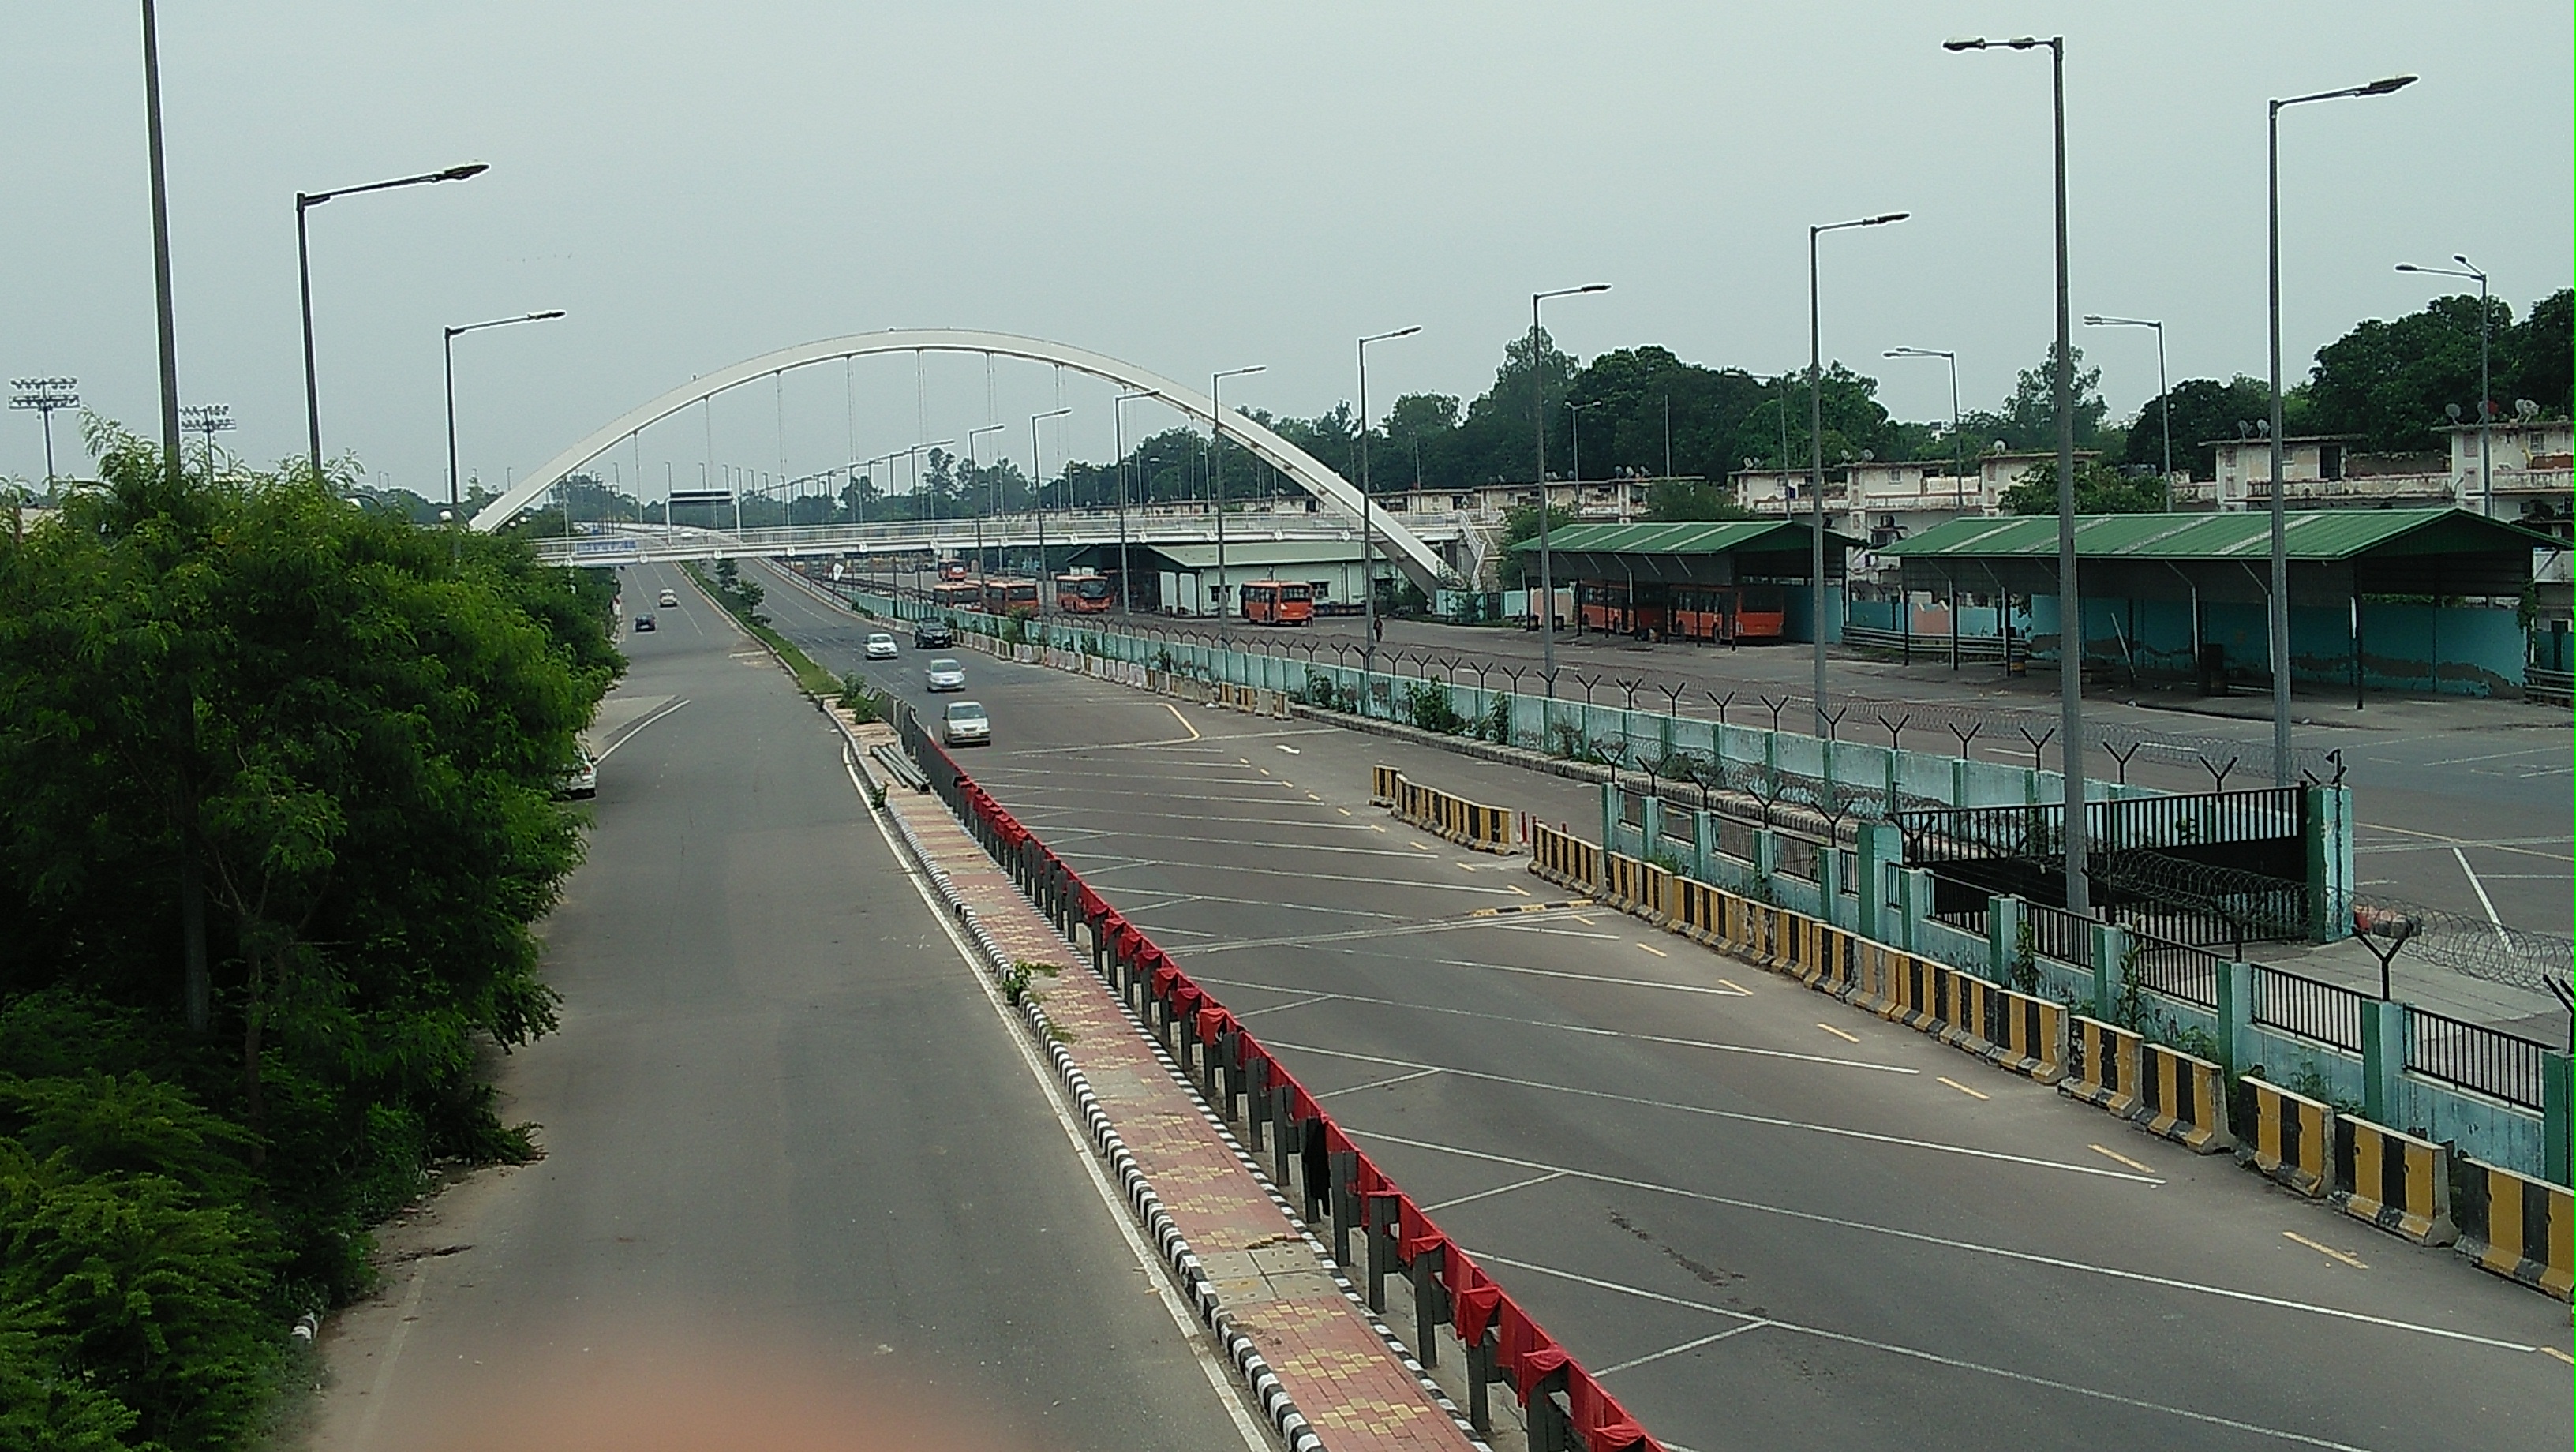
(2555,1071)
(2110,950)
(1766,853)
(1704,846)
(2236,1017)
(2383,1058)
(1651,828)
(2329,850)
(2003,936)
(1881,846)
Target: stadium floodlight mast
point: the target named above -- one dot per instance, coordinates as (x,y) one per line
(209,419)
(1538,422)
(306,202)
(1368,551)
(1216,478)
(2279,604)
(2164,393)
(2486,389)
(46,396)
(1816,443)
(448,344)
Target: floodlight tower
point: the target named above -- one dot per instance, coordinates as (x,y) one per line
(45,396)
(209,419)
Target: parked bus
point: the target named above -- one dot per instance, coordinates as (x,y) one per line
(1003,596)
(952,569)
(961,593)
(1082,592)
(1720,614)
(1278,602)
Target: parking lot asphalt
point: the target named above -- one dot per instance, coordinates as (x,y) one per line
(1762,1217)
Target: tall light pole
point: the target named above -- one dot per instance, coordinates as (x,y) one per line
(306,202)
(1118,427)
(46,396)
(2070,595)
(209,419)
(1368,541)
(992,492)
(447,343)
(1958,457)
(2164,393)
(2486,390)
(1816,442)
(1538,423)
(1216,478)
(1037,505)
(2279,605)
(163,308)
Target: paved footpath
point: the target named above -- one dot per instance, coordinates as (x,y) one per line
(1355,1385)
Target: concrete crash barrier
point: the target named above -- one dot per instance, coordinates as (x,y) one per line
(2025,1034)
(1452,818)
(1633,886)
(1877,971)
(1382,780)
(2184,1099)
(1563,859)
(2515,1226)
(2289,1137)
(2393,1180)
(2105,1069)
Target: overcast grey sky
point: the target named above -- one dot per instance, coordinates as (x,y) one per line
(1193,187)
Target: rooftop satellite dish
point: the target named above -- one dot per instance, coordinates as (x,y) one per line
(2453,410)
(1868,454)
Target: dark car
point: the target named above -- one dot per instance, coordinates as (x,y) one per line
(932,635)
(643,623)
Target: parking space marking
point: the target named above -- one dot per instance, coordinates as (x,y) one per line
(1378,1083)
(1497,1190)
(1962,1088)
(2328,1251)
(2104,1149)
(1838,1033)
(1651,948)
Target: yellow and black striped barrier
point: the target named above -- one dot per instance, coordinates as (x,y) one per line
(2516,1227)
(1874,978)
(2023,1033)
(2395,1181)
(2184,1099)
(1974,1011)
(2291,1139)
(1635,886)
(1469,824)
(2105,1069)
(1564,859)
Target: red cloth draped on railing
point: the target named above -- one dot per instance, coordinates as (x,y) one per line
(1414,1232)
(1598,1416)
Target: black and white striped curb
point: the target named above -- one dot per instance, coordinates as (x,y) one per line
(1238,1349)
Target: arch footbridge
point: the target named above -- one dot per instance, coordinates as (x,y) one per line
(1405,549)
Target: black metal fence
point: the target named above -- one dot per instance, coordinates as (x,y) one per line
(2472,1056)
(2264,815)
(2326,1012)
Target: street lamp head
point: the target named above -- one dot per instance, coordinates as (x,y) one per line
(1050,413)
(543,316)
(2386,87)
(1975,43)
(460,173)
(1881,221)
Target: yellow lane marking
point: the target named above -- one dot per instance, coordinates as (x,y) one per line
(1310,796)
(1738,987)
(1418,847)
(1374,827)
(1651,948)
(1523,891)
(1185,722)
(1587,922)
(2561,1355)
(1838,1033)
(2327,1251)
(1964,1089)
(1468,866)
(1265,771)
(1345,811)
(2103,1149)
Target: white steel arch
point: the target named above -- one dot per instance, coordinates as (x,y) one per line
(1404,549)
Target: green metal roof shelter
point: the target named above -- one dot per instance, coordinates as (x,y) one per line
(2335,555)
(1721,553)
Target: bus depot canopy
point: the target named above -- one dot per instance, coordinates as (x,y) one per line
(1722,553)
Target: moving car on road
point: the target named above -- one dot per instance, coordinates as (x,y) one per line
(881,646)
(965,724)
(932,635)
(643,622)
(582,781)
(670,599)
(945,674)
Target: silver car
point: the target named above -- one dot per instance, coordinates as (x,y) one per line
(945,674)
(881,646)
(965,724)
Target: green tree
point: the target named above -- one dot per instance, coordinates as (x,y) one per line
(2390,382)
(2534,357)
(2099,489)
(2028,419)
(1678,501)
(1520,523)
(2204,410)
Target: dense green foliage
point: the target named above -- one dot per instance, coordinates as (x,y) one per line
(1521,523)
(2099,489)
(324,743)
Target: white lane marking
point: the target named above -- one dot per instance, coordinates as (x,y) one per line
(1399,928)
(2224,1293)
(1769,1121)
(2484,901)
(1307,1002)
(1126,862)
(1497,1190)
(1572,1028)
(1636,1361)
(1937,1359)
(1728,991)
(629,733)
(1291,750)
(2520,845)
(1377,1083)
(1272,847)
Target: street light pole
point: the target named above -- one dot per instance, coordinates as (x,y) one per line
(306,202)
(2486,390)
(1958,456)
(2279,605)
(2164,391)
(1118,428)
(1816,444)
(1538,424)
(1037,506)
(1216,479)
(447,344)
(992,494)
(1368,551)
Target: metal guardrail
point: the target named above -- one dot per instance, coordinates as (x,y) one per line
(2472,1056)
(2557,687)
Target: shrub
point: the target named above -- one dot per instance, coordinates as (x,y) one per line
(1427,707)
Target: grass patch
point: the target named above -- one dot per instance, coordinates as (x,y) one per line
(741,600)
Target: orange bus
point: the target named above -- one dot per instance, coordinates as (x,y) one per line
(1278,602)
(958,594)
(1082,592)
(1723,614)
(1010,597)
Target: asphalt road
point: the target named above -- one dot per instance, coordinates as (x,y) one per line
(781,1114)
(1763,1218)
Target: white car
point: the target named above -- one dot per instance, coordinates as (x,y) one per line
(945,674)
(965,724)
(881,646)
(582,781)
(670,600)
